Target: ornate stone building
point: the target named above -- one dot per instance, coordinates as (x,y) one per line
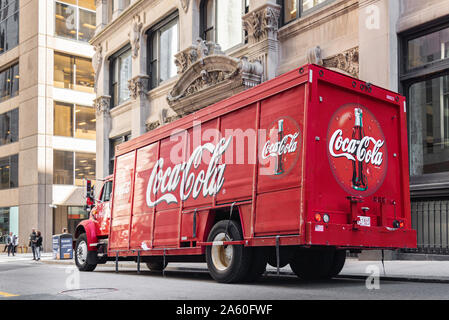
(156,61)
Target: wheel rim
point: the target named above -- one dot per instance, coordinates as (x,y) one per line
(81,252)
(222,254)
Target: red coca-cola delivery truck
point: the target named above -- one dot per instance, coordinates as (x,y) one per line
(297,170)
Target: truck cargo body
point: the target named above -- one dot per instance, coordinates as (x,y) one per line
(310,158)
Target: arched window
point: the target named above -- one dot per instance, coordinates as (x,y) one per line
(221,21)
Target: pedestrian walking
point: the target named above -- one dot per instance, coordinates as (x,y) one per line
(38,244)
(11,242)
(32,244)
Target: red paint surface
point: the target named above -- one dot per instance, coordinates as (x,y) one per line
(271,199)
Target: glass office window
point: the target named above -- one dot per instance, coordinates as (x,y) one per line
(121,73)
(9,222)
(66,19)
(72,72)
(9,82)
(85,122)
(164,45)
(74,121)
(168,49)
(63,167)
(294,9)
(84,167)
(9,25)
(84,75)
(9,177)
(70,168)
(429,48)
(75,19)
(63,119)
(9,127)
(112,144)
(429,127)
(221,21)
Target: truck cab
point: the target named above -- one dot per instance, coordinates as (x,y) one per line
(91,235)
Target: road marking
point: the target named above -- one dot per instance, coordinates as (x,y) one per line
(7,295)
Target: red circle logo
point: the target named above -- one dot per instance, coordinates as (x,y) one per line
(282,144)
(357,150)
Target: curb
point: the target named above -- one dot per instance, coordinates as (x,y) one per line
(269,272)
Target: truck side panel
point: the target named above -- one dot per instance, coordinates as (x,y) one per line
(276,184)
(122,201)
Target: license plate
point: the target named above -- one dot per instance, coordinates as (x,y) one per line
(364,221)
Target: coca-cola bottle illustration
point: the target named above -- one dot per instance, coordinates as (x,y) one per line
(359,182)
(279,165)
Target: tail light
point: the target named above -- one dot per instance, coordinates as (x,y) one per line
(318,217)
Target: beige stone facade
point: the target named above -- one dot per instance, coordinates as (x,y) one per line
(36,194)
(358,37)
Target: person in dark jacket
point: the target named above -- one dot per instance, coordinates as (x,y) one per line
(32,244)
(38,245)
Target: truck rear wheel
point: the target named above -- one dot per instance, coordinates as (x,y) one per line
(259,257)
(157,266)
(81,253)
(227,263)
(338,263)
(313,264)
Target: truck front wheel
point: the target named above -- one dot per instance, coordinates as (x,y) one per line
(227,263)
(81,254)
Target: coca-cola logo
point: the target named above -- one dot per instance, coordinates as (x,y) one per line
(280,152)
(357,150)
(191,182)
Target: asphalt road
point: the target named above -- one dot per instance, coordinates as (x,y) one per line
(36,281)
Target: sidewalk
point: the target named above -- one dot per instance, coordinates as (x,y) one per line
(421,271)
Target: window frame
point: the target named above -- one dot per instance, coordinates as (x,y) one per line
(155,31)
(73,114)
(124,137)
(6,27)
(407,78)
(77,8)
(204,21)
(73,71)
(10,113)
(74,154)
(112,63)
(299,12)
(10,171)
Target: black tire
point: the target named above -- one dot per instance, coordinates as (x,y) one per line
(338,263)
(227,264)
(259,257)
(81,254)
(312,264)
(285,255)
(158,266)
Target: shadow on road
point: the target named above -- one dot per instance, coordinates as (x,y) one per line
(286,281)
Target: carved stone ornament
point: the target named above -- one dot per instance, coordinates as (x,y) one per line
(102,105)
(97,61)
(207,75)
(347,61)
(138,86)
(134,35)
(185,5)
(262,23)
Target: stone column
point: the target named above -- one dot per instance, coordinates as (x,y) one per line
(378,42)
(139,83)
(189,19)
(102,106)
(101,14)
(261,24)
